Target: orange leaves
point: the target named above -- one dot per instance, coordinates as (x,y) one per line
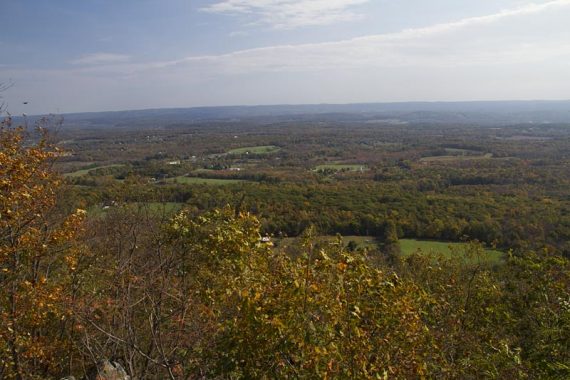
(341,267)
(37,254)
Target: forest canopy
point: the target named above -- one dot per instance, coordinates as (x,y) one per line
(202,295)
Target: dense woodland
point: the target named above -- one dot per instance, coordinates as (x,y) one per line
(503,186)
(216,250)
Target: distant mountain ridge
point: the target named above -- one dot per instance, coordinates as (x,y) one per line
(476,112)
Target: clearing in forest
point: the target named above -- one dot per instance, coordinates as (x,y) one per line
(204,181)
(408,247)
(446,249)
(485,156)
(263,149)
(86,171)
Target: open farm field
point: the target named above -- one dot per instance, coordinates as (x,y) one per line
(155,208)
(446,249)
(462,152)
(203,181)
(407,247)
(83,172)
(264,149)
(452,158)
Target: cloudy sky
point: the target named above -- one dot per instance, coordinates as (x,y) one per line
(92,55)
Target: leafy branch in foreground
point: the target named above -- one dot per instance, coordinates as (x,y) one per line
(38,259)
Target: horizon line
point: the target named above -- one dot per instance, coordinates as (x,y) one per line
(300,105)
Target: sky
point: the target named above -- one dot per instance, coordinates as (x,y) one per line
(62,56)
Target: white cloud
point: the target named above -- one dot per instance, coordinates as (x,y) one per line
(290,14)
(238,33)
(535,32)
(100,59)
(514,54)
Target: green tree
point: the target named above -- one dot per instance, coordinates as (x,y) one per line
(325,314)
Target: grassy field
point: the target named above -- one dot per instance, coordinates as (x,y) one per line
(202,170)
(264,149)
(157,208)
(361,241)
(447,249)
(162,208)
(461,152)
(205,181)
(407,246)
(456,158)
(339,167)
(83,172)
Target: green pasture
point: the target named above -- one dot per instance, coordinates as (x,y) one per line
(203,181)
(162,207)
(446,249)
(83,172)
(263,149)
(461,152)
(155,208)
(456,158)
(408,247)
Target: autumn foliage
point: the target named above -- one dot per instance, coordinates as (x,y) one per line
(37,259)
(203,296)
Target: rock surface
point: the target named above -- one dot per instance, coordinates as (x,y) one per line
(107,370)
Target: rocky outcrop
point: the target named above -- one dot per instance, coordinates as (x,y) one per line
(108,370)
(105,370)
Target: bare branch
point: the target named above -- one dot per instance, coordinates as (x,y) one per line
(3,87)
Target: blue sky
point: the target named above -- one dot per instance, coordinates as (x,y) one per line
(93,55)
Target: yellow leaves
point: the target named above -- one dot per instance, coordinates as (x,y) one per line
(34,253)
(277,322)
(321,350)
(71,262)
(341,267)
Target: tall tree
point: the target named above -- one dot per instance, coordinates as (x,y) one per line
(37,258)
